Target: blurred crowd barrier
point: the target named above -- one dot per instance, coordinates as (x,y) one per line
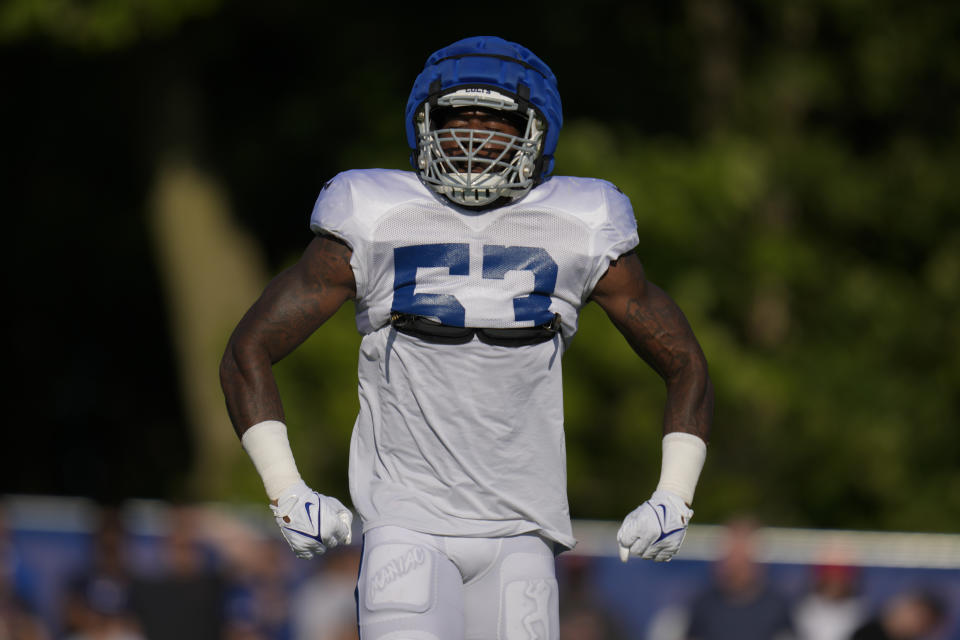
(146,570)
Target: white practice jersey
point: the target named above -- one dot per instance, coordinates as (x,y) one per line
(467,440)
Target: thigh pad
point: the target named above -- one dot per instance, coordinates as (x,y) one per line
(400,577)
(530,598)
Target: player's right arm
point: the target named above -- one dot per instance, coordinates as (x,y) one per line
(291,308)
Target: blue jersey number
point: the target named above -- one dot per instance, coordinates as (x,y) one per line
(498,260)
(406,261)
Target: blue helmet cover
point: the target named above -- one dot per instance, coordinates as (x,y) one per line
(490,62)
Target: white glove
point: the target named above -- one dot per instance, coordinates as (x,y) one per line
(655,530)
(311,522)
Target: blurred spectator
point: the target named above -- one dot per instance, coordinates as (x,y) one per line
(833,609)
(260,592)
(669,623)
(102,613)
(186,601)
(582,615)
(740,604)
(17,620)
(910,616)
(324,608)
(98,599)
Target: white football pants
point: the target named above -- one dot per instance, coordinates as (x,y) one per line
(415,586)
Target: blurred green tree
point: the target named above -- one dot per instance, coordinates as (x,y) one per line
(792,167)
(100,25)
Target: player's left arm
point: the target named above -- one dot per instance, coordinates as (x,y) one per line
(658,332)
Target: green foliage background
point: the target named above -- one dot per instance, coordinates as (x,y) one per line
(821,274)
(793,168)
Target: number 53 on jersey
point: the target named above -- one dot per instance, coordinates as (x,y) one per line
(454,257)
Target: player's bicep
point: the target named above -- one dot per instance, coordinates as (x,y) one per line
(647,317)
(300,299)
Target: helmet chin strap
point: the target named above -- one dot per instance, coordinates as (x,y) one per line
(475,197)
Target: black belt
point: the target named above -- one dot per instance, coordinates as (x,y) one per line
(432,331)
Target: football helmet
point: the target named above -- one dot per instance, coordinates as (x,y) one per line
(480,167)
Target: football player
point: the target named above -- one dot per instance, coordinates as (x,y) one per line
(468,275)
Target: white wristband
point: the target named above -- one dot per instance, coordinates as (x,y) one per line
(683,457)
(267,445)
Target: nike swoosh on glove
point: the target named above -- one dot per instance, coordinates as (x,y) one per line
(656,529)
(311,522)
